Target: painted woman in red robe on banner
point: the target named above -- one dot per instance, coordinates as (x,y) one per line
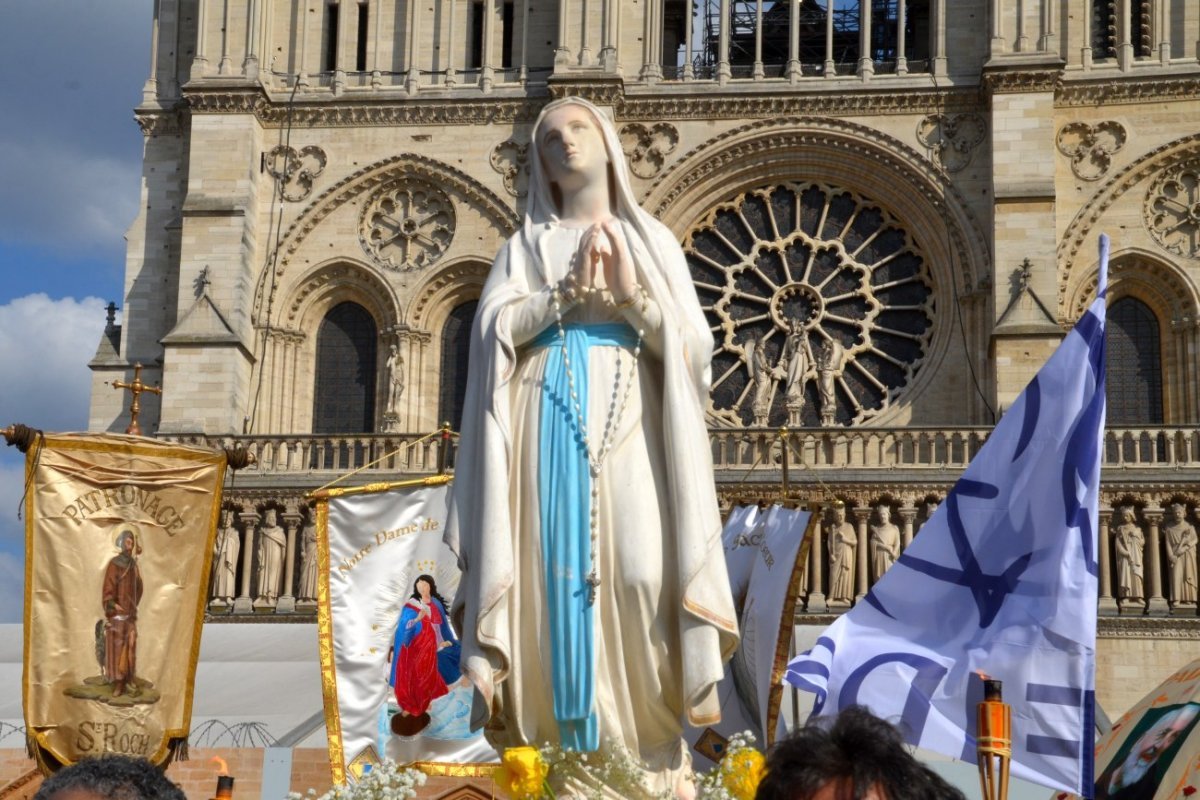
(425,650)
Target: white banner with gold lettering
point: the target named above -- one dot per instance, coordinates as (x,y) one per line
(118,539)
(389,654)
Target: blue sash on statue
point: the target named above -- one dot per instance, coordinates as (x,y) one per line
(565,499)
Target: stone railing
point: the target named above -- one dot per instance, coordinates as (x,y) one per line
(1150,487)
(752,452)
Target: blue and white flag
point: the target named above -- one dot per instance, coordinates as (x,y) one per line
(1001,581)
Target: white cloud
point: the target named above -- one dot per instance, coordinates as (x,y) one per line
(45,346)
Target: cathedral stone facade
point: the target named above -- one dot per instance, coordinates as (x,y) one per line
(890,209)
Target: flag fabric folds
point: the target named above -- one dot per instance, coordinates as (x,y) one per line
(765,553)
(1001,581)
(118,539)
(389,652)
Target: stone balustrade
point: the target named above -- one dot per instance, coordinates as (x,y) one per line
(1150,496)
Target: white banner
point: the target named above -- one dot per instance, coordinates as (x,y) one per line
(764,556)
(389,654)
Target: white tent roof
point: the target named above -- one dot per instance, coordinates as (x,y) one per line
(256,684)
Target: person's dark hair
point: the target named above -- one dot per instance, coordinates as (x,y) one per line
(855,750)
(433,592)
(112,776)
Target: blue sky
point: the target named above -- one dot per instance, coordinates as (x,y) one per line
(70,160)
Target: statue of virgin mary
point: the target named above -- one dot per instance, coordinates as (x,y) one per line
(595,607)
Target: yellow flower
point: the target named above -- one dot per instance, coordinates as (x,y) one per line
(741,772)
(522,773)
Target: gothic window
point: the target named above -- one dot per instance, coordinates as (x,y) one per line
(1134,364)
(344,394)
(456,346)
(821,303)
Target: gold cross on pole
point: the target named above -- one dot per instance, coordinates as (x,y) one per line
(136,387)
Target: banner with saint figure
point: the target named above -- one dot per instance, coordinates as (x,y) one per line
(389,652)
(118,540)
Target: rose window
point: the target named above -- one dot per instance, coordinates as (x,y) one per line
(821,305)
(1173,210)
(407,225)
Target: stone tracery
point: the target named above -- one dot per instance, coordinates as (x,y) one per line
(407,225)
(1173,209)
(821,303)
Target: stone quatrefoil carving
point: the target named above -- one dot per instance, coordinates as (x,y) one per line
(648,146)
(952,138)
(821,305)
(1172,209)
(295,170)
(1090,147)
(407,224)
(511,159)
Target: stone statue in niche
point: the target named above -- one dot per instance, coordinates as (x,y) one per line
(1130,544)
(885,542)
(795,353)
(590,352)
(306,592)
(1180,539)
(272,546)
(395,376)
(830,363)
(843,544)
(225,558)
(763,376)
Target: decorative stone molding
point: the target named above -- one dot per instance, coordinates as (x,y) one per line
(824,304)
(511,160)
(851,140)
(230,101)
(603,92)
(1021,81)
(952,138)
(1070,266)
(1148,628)
(648,146)
(407,224)
(731,106)
(419,112)
(458,282)
(1162,286)
(1128,88)
(452,181)
(351,280)
(1172,209)
(160,123)
(1090,147)
(295,170)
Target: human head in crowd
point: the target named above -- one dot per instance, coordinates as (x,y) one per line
(854,756)
(109,777)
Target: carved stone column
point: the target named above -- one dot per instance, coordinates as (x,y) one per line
(861,517)
(244,604)
(816,589)
(291,523)
(1156,604)
(908,517)
(1108,605)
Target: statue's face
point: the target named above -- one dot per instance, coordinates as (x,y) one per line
(839,514)
(572,147)
(270,516)
(1177,512)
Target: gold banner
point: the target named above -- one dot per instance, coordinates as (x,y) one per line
(118,539)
